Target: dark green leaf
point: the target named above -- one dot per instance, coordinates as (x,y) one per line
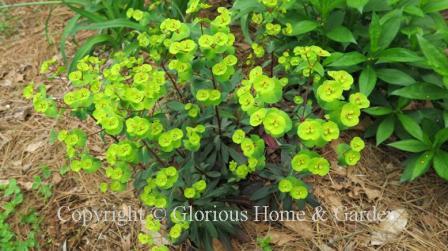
(441,164)
(414,10)
(385,129)
(393,55)
(245,28)
(417,166)
(115,23)
(435,56)
(378,111)
(175,106)
(390,25)
(348,59)
(374,33)
(435,6)
(410,145)
(303,27)
(411,126)
(211,229)
(367,80)
(396,77)
(261,193)
(341,34)
(440,137)
(70,29)
(357,4)
(422,91)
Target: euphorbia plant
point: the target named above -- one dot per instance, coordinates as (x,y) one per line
(191,123)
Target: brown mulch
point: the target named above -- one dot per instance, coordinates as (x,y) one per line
(24,148)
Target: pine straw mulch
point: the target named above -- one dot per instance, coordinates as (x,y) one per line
(24,148)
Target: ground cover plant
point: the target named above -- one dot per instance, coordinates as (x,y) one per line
(193,122)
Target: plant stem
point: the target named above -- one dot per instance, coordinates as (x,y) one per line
(305,99)
(272,64)
(173,81)
(161,162)
(218,117)
(112,136)
(180,153)
(29,4)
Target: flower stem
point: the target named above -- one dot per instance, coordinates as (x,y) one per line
(218,117)
(173,81)
(305,98)
(154,154)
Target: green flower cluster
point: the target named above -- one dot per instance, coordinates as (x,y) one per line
(87,162)
(193,110)
(180,225)
(46,65)
(317,132)
(137,15)
(41,102)
(75,139)
(304,60)
(120,174)
(138,127)
(253,148)
(224,69)
(222,21)
(294,187)
(350,155)
(194,6)
(79,98)
(258,50)
(310,161)
(193,141)
(210,97)
(170,140)
(194,192)
(152,225)
(275,122)
(87,73)
(122,151)
(164,179)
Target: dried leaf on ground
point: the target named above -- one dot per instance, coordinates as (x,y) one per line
(279,238)
(4,140)
(324,247)
(31,148)
(372,193)
(391,227)
(302,228)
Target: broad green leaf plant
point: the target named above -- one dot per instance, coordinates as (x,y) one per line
(191,122)
(393,48)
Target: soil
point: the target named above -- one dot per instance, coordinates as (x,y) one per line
(420,208)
